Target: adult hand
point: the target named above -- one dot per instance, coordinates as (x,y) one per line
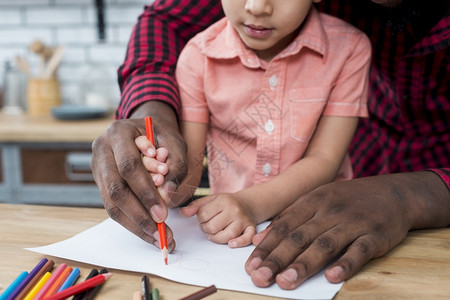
(128,192)
(353,221)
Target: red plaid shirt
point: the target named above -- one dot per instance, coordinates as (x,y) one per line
(409,103)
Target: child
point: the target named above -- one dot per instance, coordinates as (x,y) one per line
(273,91)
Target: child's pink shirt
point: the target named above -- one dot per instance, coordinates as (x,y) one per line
(261,116)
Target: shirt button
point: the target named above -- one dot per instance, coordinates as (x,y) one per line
(266,169)
(269,127)
(273,81)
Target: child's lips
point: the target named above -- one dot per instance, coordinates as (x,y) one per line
(257,31)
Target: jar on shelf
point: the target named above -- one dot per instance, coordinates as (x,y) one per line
(14,90)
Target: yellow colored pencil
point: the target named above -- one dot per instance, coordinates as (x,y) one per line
(38,286)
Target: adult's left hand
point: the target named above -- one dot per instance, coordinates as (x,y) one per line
(353,221)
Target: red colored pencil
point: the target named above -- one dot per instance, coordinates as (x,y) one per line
(149,130)
(81,287)
(162,225)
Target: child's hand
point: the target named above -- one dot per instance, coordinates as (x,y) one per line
(224,219)
(153,159)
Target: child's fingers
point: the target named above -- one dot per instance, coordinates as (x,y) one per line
(245,239)
(257,238)
(194,207)
(189,211)
(145,146)
(154,166)
(158,179)
(233,232)
(162,154)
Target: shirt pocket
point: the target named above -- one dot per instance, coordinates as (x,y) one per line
(306,108)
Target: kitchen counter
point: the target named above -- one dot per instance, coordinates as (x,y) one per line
(44,160)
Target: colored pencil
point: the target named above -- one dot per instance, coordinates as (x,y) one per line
(46,268)
(78,288)
(90,294)
(202,293)
(70,279)
(162,225)
(58,282)
(155,294)
(79,296)
(38,286)
(27,279)
(49,283)
(5,295)
(146,288)
(137,295)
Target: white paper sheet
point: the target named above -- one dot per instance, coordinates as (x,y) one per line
(195,261)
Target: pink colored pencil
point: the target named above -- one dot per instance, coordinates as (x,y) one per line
(51,280)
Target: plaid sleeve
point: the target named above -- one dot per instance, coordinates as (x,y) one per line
(444,173)
(162,30)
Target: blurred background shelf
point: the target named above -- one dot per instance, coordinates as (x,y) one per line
(46,161)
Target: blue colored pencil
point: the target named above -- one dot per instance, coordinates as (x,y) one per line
(13,285)
(27,279)
(73,276)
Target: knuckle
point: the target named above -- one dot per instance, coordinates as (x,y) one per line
(274,263)
(128,167)
(327,244)
(261,251)
(281,228)
(114,212)
(299,239)
(301,267)
(363,248)
(347,266)
(143,222)
(116,191)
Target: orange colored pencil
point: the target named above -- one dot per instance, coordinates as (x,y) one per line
(58,282)
(162,225)
(81,287)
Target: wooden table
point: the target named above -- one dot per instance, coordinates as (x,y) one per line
(419,268)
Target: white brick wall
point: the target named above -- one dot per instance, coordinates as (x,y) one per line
(71,23)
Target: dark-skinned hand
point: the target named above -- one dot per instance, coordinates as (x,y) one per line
(350,223)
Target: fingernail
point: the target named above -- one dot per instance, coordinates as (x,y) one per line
(151,152)
(233,244)
(336,273)
(266,273)
(156,236)
(157,213)
(169,187)
(161,168)
(290,275)
(254,263)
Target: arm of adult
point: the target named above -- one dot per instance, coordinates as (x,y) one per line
(148,88)
(350,222)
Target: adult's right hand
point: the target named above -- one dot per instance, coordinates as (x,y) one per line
(128,192)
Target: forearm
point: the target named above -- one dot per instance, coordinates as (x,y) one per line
(270,198)
(427,198)
(162,30)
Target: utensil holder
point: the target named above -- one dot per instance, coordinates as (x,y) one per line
(42,95)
